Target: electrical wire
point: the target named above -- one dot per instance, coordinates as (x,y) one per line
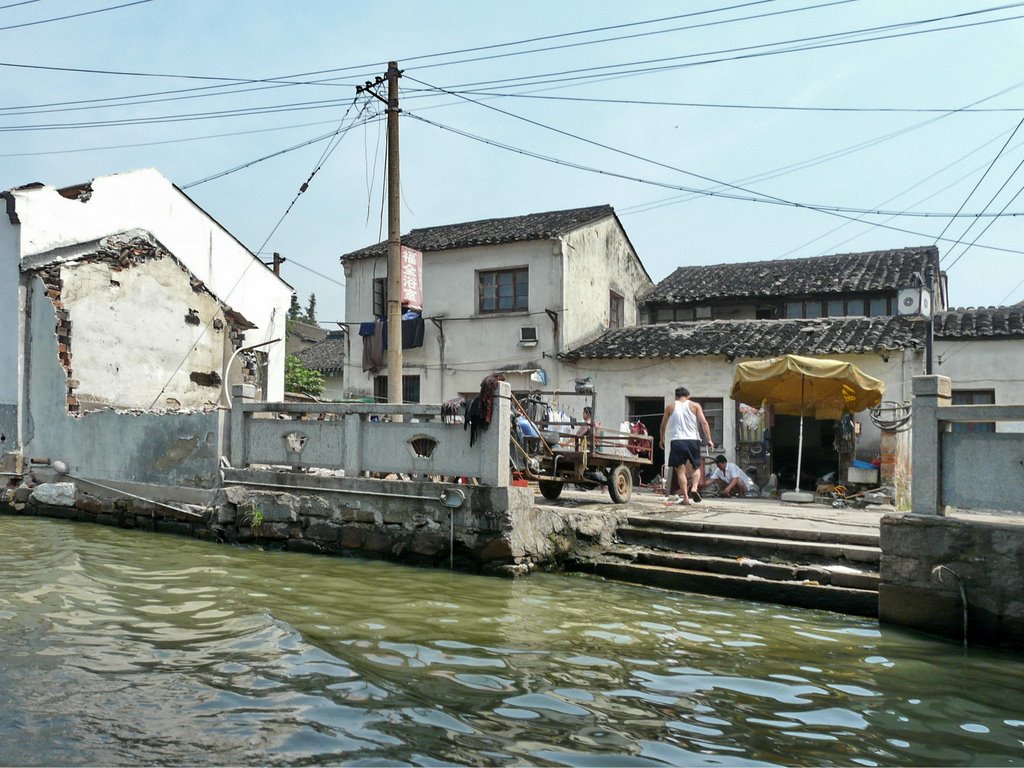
(758,107)
(981,179)
(834,211)
(72,15)
(749,194)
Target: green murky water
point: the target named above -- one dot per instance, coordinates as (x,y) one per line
(121,647)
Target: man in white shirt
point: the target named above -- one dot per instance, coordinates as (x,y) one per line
(732,480)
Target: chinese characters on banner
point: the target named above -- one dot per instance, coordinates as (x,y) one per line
(412,279)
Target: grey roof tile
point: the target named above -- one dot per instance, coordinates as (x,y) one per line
(980,322)
(327,356)
(838,273)
(533,226)
(754,338)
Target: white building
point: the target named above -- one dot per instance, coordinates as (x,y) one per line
(120,296)
(982,350)
(702,320)
(501,295)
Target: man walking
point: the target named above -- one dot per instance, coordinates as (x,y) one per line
(679,431)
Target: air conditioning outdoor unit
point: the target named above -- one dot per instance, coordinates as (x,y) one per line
(528,335)
(914,302)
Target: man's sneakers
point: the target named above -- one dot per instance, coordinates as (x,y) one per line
(672,499)
(696,496)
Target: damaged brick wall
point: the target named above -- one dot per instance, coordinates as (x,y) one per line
(120,253)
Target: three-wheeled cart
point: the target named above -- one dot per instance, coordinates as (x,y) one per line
(555,452)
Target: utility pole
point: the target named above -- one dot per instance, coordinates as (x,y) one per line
(394,243)
(394,283)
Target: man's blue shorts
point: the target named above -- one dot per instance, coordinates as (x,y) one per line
(682,451)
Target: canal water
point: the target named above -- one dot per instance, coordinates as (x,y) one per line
(123,647)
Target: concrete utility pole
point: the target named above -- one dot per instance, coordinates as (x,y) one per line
(394,244)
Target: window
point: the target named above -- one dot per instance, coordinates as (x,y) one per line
(878,307)
(616,310)
(673,314)
(505,290)
(836,308)
(974,397)
(380,296)
(410,389)
(764,313)
(794,309)
(812,309)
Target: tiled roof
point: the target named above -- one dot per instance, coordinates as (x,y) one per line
(840,273)
(327,356)
(533,226)
(306,332)
(980,322)
(754,338)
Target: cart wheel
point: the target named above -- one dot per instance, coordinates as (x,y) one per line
(550,489)
(620,484)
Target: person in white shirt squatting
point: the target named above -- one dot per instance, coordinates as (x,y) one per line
(731,480)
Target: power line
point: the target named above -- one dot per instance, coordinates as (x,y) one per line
(761,107)
(12,5)
(167,141)
(750,195)
(829,41)
(70,16)
(286,150)
(978,184)
(708,193)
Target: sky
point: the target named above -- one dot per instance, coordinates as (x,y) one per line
(728,131)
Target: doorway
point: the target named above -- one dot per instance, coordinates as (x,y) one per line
(648,410)
(819,453)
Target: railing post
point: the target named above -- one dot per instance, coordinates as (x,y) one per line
(494,443)
(237,437)
(931,394)
(353,445)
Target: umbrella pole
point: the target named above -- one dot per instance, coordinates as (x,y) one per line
(799,452)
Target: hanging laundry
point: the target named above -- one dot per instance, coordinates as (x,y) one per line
(412,332)
(373,345)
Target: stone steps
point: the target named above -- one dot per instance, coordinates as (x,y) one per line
(753,545)
(824,569)
(856,602)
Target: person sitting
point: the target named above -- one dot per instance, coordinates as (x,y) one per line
(729,479)
(588,428)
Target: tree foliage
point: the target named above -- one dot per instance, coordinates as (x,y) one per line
(311,310)
(295,311)
(299,378)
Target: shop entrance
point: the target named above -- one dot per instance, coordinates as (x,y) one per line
(648,410)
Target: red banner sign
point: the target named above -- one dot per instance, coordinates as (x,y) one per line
(412,279)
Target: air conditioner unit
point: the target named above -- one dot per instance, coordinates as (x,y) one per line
(914,302)
(528,335)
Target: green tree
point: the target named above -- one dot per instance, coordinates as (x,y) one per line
(295,311)
(298,378)
(311,310)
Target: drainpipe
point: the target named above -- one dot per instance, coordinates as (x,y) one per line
(440,343)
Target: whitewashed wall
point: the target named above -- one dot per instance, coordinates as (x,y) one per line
(474,344)
(996,364)
(598,259)
(130,344)
(575,285)
(146,200)
(9,313)
(711,377)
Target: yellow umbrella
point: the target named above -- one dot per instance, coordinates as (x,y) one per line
(799,386)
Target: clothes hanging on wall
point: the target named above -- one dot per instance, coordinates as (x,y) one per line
(412,332)
(373,345)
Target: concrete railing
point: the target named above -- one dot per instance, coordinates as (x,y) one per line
(967,470)
(359,437)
